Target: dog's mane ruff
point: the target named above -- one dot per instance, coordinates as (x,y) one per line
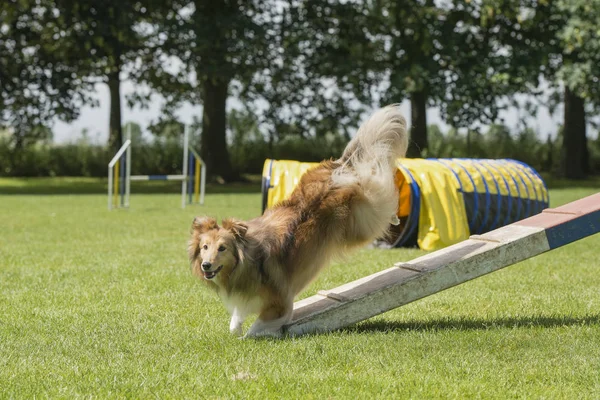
(249,272)
(193,249)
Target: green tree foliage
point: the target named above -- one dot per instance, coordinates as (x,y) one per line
(215,47)
(59,49)
(36,85)
(102,42)
(580,42)
(580,74)
(558,40)
(297,66)
(303,69)
(323,75)
(446,55)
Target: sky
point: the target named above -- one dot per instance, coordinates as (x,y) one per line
(95,120)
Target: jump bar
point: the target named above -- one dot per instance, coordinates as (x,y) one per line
(477,256)
(158,177)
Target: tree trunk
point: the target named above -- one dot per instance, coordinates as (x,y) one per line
(418,131)
(115,138)
(214,144)
(575,152)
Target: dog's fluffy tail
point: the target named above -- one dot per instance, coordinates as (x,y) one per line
(369,160)
(381,139)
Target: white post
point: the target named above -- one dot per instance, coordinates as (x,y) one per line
(111,166)
(202,182)
(186,134)
(128,168)
(110,183)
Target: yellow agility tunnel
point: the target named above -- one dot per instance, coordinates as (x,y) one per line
(442,201)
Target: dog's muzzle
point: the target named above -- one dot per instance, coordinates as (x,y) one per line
(206,266)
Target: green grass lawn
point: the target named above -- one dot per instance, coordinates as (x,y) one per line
(102,304)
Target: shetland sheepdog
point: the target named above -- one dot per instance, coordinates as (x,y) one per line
(259,266)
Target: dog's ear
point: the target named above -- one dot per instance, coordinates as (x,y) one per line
(204,224)
(237,227)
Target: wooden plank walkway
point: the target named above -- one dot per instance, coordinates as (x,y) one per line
(432,273)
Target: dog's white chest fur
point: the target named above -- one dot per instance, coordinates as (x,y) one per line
(243,305)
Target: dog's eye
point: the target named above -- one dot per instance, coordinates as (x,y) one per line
(205,247)
(222,248)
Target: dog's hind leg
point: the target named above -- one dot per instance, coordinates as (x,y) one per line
(270,321)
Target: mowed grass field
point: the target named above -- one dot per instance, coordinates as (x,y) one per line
(98,304)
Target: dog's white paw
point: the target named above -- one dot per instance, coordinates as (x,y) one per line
(271,329)
(236,331)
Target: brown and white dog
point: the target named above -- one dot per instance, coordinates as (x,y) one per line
(259,266)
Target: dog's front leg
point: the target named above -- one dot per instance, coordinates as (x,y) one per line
(237,320)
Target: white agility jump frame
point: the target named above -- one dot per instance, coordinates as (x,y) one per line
(193,177)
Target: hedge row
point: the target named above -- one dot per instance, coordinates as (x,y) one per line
(165,156)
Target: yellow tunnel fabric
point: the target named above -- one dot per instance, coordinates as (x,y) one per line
(442,219)
(283,175)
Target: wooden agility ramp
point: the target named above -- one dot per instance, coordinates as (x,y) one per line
(477,256)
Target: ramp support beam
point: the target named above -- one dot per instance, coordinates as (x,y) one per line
(479,255)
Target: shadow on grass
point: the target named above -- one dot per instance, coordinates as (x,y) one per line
(467,324)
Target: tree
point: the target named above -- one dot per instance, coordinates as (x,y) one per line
(412,29)
(442,55)
(36,86)
(324,76)
(559,41)
(63,48)
(298,66)
(216,47)
(102,41)
(579,72)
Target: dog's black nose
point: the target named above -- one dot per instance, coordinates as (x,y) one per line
(206,265)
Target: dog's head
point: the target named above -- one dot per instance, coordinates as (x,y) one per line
(215,250)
